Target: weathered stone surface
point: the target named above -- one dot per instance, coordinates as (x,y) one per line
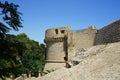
(53,66)
(102,63)
(108,34)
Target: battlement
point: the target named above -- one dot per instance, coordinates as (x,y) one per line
(58,39)
(56,33)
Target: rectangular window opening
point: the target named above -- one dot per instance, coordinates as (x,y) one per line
(56,31)
(62,31)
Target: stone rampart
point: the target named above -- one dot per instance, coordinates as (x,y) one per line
(62,44)
(85,38)
(108,34)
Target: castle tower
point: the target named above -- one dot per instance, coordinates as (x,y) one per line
(56,47)
(62,45)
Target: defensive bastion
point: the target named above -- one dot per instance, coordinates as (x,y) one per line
(62,44)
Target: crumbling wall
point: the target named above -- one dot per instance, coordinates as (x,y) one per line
(108,34)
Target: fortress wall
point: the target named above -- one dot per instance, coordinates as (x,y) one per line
(108,34)
(61,42)
(85,39)
(55,51)
(71,44)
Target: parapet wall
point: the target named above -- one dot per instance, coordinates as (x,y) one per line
(56,33)
(108,34)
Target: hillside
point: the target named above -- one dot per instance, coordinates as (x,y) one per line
(101,62)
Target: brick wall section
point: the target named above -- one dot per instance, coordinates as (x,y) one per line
(108,34)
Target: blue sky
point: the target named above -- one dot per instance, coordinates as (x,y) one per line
(39,15)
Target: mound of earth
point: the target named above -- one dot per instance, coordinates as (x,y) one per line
(101,62)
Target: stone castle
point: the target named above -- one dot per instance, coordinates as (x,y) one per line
(62,44)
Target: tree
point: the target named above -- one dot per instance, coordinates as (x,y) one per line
(33,59)
(10,48)
(10,52)
(11,18)
(19,55)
